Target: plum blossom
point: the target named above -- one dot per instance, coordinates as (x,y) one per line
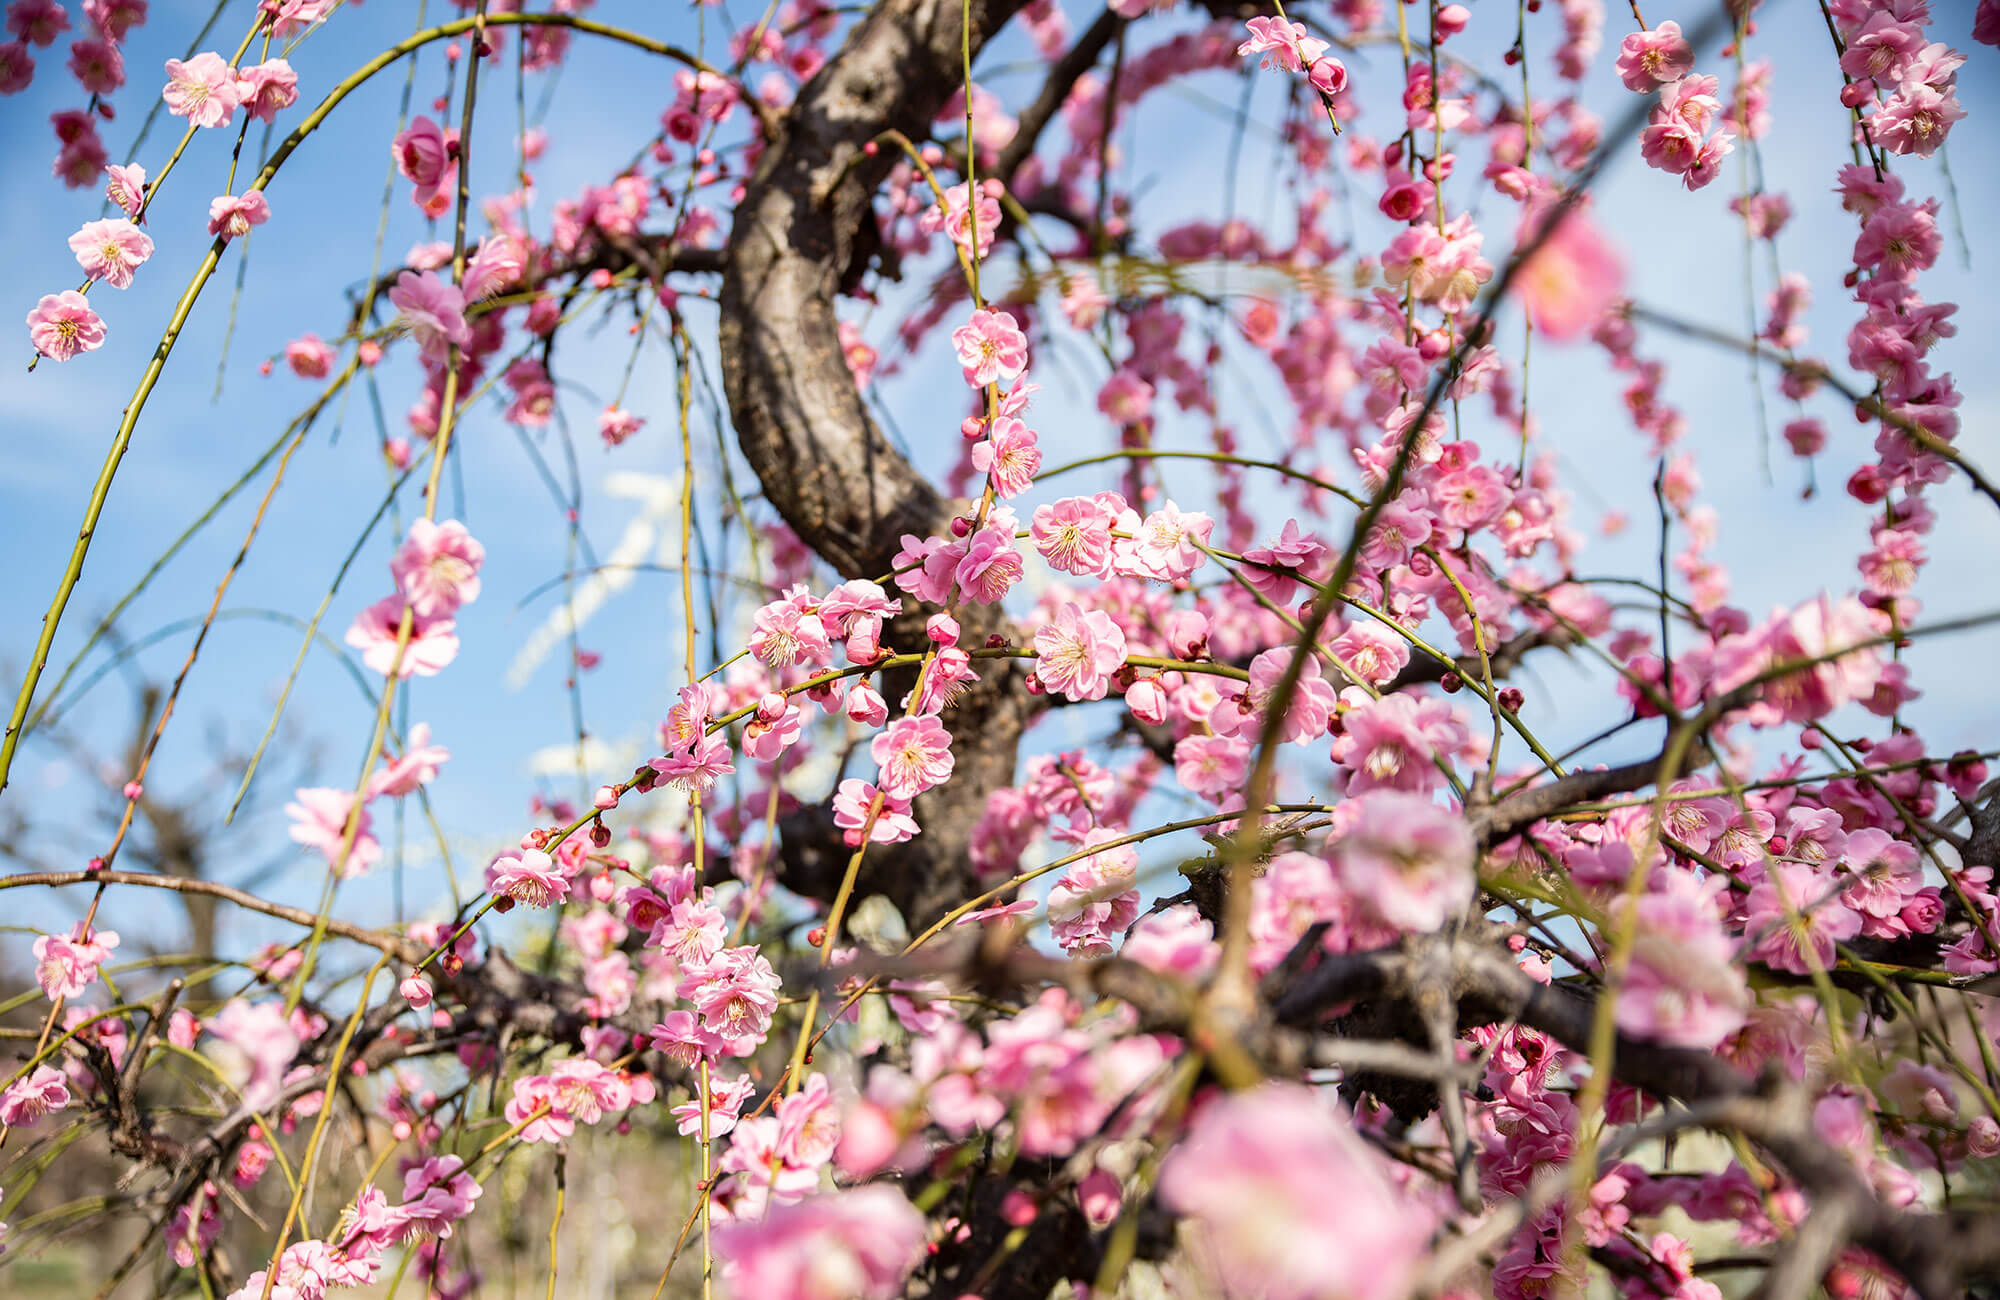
(266,1041)
(111,250)
(309,357)
(1097,899)
(860,1243)
(1079,651)
(1682,986)
(1805,944)
(1074,534)
(1648,59)
(265,88)
(851,803)
(432,643)
(1289,1203)
(735,994)
(43,1092)
(65,967)
(437,567)
(1406,861)
(203,90)
(320,821)
(231,216)
(912,754)
(1284,45)
(527,876)
(1008,456)
(433,310)
(126,188)
(418,766)
(991,348)
(62,325)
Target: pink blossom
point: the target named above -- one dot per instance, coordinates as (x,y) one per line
(699,765)
(1211,765)
(265,88)
(114,18)
(1682,986)
(1406,861)
(62,325)
(437,567)
(126,188)
(1171,544)
(25,1101)
(859,1243)
(1273,570)
(957,218)
(1307,714)
(98,65)
(309,357)
(809,1124)
(851,802)
(913,755)
(1097,899)
(1391,744)
(1574,277)
(268,1041)
(1008,456)
(433,310)
(437,1193)
(1371,652)
(1175,941)
(725,1101)
(691,932)
(17,67)
(991,348)
(418,766)
(1815,630)
(433,642)
(990,567)
(789,630)
(65,967)
(203,90)
(319,821)
(427,156)
(1289,1203)
(1078,652)
(527,876)
(1915,119)
(1074,534)
(735,994)
(1822,922)
(36,22)
(1284,45)
(616,424)
(231,216)
(1652,58)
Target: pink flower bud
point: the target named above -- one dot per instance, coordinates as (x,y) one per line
(868,1139)
(416,990)
(1100,1196)
(1148,701)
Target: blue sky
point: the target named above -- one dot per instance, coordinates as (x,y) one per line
(1684,256)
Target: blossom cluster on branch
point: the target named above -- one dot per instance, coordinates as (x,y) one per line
(913,986)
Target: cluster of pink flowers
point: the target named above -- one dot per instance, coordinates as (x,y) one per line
(1678,139)
(1797,848)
